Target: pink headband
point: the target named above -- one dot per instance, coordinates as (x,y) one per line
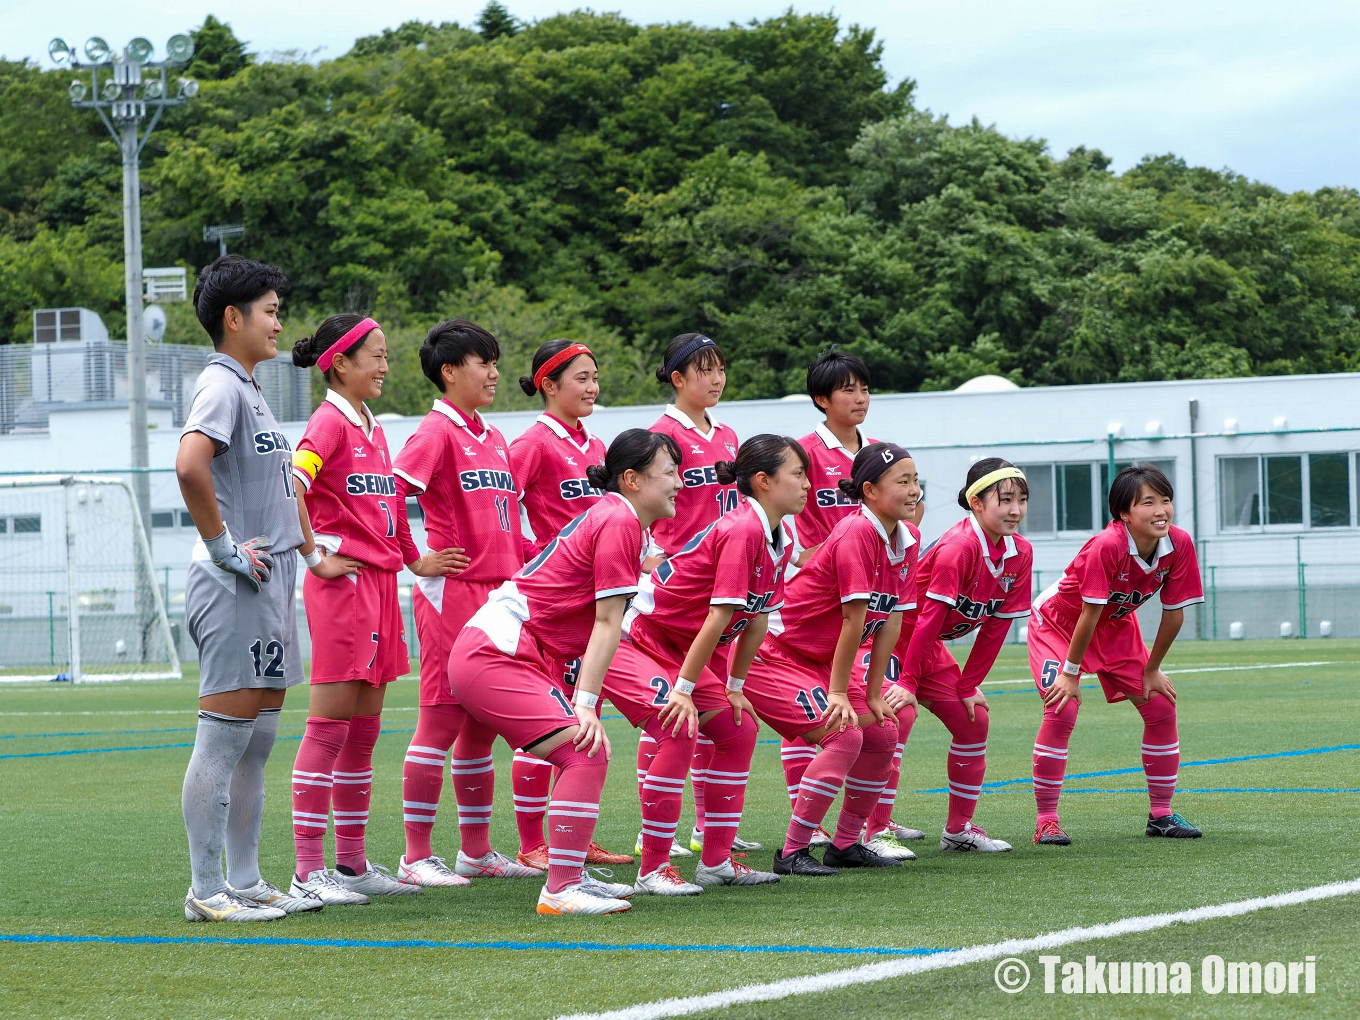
(340,346)
(560,358)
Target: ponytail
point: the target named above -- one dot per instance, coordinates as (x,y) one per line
(631,450)
(758,455)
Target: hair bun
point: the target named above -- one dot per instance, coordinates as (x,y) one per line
(304,352)
(597,476)
(726,470)
(527,385)
(847,486)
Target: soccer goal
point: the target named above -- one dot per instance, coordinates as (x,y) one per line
(78,593)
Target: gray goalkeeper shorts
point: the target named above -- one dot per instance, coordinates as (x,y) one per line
(245,638)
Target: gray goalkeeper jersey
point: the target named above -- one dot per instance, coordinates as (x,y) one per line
(252,469)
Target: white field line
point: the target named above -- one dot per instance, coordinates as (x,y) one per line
(1201,669)
(873,972)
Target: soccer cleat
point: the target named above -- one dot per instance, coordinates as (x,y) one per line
(746,845)
(676,849)
(262,894)
(801,862)
(609,890)
(696,841)
(227,906)
(1050,833)
(536,858)
(596,854)
(377,881)
(820,838)
(324,884)
(904,833)
(576,900)
(429,872)
(731,872)
(1172,826)
(492,865)
(666,881)
(857,855)
(972,838)
(885,844)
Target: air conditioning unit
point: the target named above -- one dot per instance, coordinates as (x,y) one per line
(72,356)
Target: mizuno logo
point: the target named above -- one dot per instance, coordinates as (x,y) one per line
(359,452)
(834,472)
(695,448)
(467,450)
(564,828)
(571,461)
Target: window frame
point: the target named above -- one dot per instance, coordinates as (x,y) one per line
(1305,493)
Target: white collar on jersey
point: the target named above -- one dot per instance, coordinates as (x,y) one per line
(1164,546)
(1007,553)
(674,412)
(557,429)
(775,547)
(902,538)
(228,362)
(456,416)
(830,441)
(347,409)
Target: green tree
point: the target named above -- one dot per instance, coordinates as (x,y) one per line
(495,21)
(218,54)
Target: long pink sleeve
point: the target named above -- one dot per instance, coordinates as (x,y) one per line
(991,636)
(924,637)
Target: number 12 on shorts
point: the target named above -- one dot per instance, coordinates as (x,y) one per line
(273,669)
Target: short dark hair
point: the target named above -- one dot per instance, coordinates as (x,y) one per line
(986,466)
(763,453)
(307,351)
(631,450)
(833,369)
(235,281)
(452,342)
(1127,485)
(542,356)
(703,358)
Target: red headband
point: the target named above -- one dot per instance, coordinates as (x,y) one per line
(558,359)
(343,344)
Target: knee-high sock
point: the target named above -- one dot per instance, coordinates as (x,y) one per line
(1161,752)
(572,812)
(353,790)
(474,783)
(220,742)
(246,816)
(661,793)
(698,772)
(865,781)
(795,755)
(967,762)
(820,783)
(531,781)
(321,743)
(883,810)
(645,753)
(422,775)
(725,787)
(1050,760)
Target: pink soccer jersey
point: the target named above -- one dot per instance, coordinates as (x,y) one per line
(703,500)
(548,608)
(958,572)
(855,563)
(343,465)
(467,491)
(550,467)
(1109,572)
(827,506)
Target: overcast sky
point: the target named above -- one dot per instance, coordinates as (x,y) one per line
(1271,90)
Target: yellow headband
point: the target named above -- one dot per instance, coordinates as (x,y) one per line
(992,477)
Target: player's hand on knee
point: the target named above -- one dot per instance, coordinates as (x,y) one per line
(878,708)
(590,736)
(1157,682)
(974,702)
(740,703)
(250,560)
(839,714)
(679,711)
(1066,688)
(898,698)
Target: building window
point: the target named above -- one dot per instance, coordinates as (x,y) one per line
(1284,490)
(1298,490)
(31,525)
(1329,490)
(186,519)
(4,525)
(162,518)
(1040,518)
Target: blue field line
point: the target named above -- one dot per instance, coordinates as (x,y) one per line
(599,947)
(92,733)
(144,747)
(1211,789)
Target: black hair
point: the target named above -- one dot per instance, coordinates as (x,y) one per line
(832,370)
(763,453)
(236,281)
(867,452)
(986,466)
(703,358)
(1128,484)
(452,342)
(631,450)
(541,357)
(307,351)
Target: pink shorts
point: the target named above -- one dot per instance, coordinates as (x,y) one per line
(789,692)
(942,678)
(644,670)
(356,627)
(520,696)
(1116,655)
(442,607)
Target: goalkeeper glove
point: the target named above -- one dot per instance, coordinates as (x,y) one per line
(245,559)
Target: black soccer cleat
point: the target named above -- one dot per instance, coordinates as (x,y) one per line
(857,855)
(801,862)
(1172,826)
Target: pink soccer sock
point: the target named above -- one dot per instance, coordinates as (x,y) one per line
(531,781)
(321,743)
(820,783)
(572,813)
(353,791)
(865,781)
(1161,752)
(422,776)
(698,773)
(795,755)
(1050,760)
(725,787)
(645,753)
(967,762)
(883,810)
(474,784)
(661,793)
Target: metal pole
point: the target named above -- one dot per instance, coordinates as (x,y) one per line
(221,245)
(1194,500)
(132,280)
(72,586)
(1303,587)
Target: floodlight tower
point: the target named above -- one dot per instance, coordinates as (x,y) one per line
(122,88)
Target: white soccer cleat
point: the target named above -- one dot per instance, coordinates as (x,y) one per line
(885,844)
(820,838)
(377,881)
(227,906)
(746,845)
(428,872)
(492,865)
(326,886)
(731,872)
(264,894)
(666,881)
(610,890)
(972,838)
(677,850)
(575,900)
(904,832)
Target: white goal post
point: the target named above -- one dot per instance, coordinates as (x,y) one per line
(78,591)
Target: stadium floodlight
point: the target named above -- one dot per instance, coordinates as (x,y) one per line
(139,50)
(153,89)
(188,88)
(77,91)
(112,91)
(179,48)
(59,51)
(96,49)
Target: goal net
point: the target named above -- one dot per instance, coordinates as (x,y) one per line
(78,593)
